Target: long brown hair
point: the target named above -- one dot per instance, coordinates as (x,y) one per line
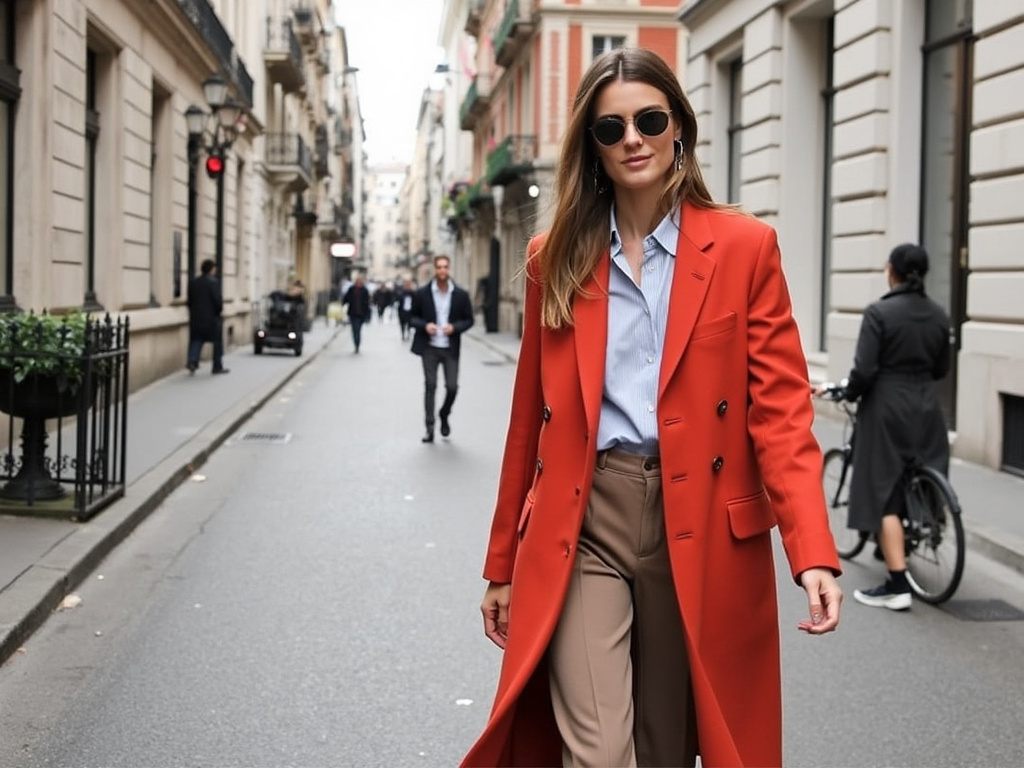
(578,237)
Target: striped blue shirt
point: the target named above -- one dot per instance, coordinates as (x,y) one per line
(637,316)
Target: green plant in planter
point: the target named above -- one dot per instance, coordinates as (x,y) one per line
(44,345)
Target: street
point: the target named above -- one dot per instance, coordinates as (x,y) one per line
(312,601)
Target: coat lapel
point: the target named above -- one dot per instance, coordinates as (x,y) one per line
(590,331)
(690,280)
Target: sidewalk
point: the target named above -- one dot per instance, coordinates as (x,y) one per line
(176,423)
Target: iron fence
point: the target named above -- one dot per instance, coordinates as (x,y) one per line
(64,398)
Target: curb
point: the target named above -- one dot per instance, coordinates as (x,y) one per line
(44,585)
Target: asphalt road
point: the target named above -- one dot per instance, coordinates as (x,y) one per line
(312,602)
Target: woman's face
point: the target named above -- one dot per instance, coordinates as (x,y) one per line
(638,160)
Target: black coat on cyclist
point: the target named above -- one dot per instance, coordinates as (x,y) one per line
(902,352)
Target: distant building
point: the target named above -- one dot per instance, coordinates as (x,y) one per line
(512,70)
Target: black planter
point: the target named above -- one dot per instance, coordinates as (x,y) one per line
(34,400)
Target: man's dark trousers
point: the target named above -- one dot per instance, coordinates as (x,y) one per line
(433,357)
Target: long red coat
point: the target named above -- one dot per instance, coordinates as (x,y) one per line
(737,455)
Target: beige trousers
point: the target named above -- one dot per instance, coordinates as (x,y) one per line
(620,677)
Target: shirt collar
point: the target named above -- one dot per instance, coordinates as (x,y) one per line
(666,233)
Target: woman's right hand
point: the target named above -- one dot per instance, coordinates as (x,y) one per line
(495,610)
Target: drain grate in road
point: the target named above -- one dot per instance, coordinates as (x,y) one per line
(982,610)
(274,438)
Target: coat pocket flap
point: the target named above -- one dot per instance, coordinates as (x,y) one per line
(751,516)
(713,327)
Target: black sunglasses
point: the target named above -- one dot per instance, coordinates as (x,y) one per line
(610,130)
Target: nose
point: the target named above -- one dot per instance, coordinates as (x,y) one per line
(632,135)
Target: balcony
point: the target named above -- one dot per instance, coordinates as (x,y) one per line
(204,19)
(476,103)
(305,23)
(331,223)
(511,159)
(289,161)
(512,35)
(473,17)
(282,56)
(467,200)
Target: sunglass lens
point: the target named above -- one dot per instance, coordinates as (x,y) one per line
(609,131)
(652,123)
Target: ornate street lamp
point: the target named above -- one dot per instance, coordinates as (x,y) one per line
(211,132)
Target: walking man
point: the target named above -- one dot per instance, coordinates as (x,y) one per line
(441,312)
(357,297)
(205,305)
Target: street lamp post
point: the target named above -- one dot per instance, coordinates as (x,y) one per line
(213,132)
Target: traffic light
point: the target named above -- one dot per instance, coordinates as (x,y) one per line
(215,165)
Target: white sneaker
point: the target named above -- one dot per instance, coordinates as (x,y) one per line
(883,596)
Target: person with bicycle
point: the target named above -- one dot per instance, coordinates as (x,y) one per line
(902,352)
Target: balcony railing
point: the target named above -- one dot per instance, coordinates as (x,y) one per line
(288,157)
(205,20)
(471,197)
(513,33)
(511,159)
(283,56)
(476,102)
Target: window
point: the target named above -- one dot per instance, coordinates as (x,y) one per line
(945,178)
(92,133)
(9,92)
(828,95)
(605,43)
(735,129)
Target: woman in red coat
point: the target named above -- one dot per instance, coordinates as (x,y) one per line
(660,427)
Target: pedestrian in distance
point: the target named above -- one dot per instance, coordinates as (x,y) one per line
(205,305)
(403,300)
(360,309)
(440,313)
(383,298)
(902,352)
(660,427)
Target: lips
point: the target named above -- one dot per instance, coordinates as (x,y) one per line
(637,161)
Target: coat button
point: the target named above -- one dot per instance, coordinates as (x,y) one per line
(723,406)
(717,463)
(546,413)
(540,464)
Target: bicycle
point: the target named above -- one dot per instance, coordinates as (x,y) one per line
(932,529)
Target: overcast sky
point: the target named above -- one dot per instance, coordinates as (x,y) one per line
(394,44)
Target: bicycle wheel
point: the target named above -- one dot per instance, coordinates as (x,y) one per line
(934,537)
(836,481)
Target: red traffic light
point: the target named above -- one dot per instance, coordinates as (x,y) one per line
(214,166)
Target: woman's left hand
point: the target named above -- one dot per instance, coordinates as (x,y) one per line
(823,599)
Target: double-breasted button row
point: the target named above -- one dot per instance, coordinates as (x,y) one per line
(546,413)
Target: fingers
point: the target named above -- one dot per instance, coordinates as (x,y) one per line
(495,613)
(823,601)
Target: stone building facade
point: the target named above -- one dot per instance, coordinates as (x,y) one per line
(102,194)
(855,125)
